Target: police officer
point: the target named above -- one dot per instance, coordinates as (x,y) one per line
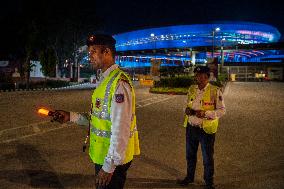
(113,132)
(205,105)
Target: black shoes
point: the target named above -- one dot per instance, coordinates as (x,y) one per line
(184,182)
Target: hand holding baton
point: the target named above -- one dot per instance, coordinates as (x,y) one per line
(57,115)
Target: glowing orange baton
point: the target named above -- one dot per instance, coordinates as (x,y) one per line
(45,112)
(56,116)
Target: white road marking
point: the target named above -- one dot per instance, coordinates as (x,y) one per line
(154,102)
(37,130)
(227,89)
(29,125)
(34,134)
(149,99)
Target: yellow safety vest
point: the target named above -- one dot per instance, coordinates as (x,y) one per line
(100,130)
(208,103)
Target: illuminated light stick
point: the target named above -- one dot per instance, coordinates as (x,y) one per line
(45,112)
(56,116)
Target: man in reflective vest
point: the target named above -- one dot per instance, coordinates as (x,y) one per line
(205,105)
(113,132)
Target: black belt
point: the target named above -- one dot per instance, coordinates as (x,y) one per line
(189,125)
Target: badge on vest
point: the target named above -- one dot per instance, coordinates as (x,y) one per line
(119,98)
(98,103)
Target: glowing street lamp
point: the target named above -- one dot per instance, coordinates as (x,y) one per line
(153,36)
(213,39)
(185,46)
(222,54)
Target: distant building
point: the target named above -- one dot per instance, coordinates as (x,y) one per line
(181,36)
(188,45)
(7,68)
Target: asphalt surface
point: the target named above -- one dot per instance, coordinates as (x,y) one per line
(249,147)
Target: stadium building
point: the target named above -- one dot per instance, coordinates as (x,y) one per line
(243,48)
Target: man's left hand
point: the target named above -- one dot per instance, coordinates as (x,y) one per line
(103,178)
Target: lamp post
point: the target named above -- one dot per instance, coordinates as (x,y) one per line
(186,51)
(154,38)
(222,54)
(155,69)
(213,39)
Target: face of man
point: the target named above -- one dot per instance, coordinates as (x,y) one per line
(96,56)
(201,79)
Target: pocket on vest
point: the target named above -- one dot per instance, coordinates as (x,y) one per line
(210,126)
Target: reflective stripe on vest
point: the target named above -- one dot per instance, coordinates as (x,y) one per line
(104,113)
(107,134)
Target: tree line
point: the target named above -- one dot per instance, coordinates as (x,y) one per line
(49,31)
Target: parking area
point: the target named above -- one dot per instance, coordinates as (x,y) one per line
(249,149)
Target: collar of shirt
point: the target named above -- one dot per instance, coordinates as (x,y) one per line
(202,90)
(107,72)
(110,69)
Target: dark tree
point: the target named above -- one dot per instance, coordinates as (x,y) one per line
(32,27)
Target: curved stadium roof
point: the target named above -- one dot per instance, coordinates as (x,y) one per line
(197,35)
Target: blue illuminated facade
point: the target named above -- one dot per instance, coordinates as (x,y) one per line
(185,37)
(230,33)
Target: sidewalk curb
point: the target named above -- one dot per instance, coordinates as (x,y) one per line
(70,87)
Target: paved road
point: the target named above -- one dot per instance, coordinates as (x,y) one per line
(249,151)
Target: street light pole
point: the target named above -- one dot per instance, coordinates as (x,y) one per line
(153,36)
(154,51)
(155,71)
(222,54)
(185,56)
(213,39)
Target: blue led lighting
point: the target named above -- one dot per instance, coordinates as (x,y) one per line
(197,35)
(186,36)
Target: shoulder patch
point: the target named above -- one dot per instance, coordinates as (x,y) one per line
(119,98)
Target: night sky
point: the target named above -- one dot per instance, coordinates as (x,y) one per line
(121,16)
(116,16)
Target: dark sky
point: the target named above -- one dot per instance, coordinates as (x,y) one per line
(121,16)
(126,15)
